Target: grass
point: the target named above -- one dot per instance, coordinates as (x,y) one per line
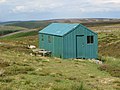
(24,72)
(109,44)
(20,70)
(111,65)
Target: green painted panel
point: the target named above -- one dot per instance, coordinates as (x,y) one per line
(58,47)
(69,46)
(51,43)
(80,46)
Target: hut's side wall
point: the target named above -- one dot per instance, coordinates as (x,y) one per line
(51,43)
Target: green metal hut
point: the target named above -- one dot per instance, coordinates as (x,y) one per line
(66,40)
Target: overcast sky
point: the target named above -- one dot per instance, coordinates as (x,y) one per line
(57,9)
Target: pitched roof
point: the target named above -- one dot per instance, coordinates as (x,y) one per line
(58,29)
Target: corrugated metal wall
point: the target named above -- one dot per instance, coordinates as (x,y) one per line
(55,45)
(70,47)
(58,47)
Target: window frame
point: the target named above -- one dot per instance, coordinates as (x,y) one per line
(42,37)
(90,39)
(49,39)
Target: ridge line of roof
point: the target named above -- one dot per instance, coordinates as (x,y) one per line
(70,27)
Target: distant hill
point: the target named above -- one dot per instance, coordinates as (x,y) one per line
(30,24)
(42,24)
(9,22)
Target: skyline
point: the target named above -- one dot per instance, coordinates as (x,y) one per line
(20,10)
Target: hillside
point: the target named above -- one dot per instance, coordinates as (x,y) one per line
(10,29)
(9,22)
(41,24)
(19,69)
(107,29)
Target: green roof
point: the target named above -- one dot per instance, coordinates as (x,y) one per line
(58,29)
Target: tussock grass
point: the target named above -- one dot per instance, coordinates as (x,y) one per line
(111,65)
(109,44)
(26,72)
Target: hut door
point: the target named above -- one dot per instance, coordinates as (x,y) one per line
(80,46)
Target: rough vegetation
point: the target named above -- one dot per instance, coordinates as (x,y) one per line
(21,71)
(10,29)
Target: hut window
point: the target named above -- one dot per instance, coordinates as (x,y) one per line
(42,38)
(49,39)
(89,39)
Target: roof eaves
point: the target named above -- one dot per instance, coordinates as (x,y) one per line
(51,34)
(88,29)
